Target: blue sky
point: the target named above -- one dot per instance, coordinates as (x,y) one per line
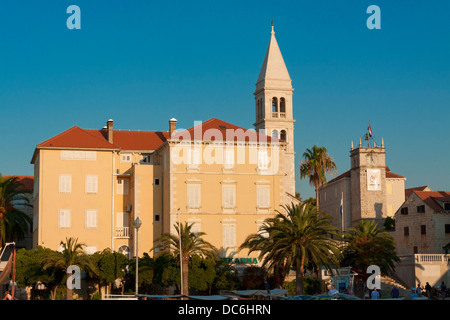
(144,62)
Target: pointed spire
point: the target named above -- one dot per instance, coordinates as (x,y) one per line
(273,67)
(351,146)
(382,143)
(360,144)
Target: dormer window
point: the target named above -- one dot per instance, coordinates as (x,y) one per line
(447,206)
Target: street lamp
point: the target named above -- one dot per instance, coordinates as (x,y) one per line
(181,255)
(137,224)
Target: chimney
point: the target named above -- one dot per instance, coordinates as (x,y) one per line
(172,126)
(109,132)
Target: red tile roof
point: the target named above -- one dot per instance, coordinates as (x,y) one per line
(410,190)
(390,174)
(347,174)
(431,198)
(26,180)
(216,129)
(77,137)
(136,140)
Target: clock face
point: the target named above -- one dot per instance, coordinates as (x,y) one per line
(372,159)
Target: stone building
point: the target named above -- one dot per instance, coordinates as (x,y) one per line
(369,190)
(422,223)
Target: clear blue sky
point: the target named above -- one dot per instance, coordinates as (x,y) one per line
(144,62)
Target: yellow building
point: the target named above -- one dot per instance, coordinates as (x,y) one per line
(92,184)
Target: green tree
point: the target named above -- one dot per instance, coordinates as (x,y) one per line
(315,165)
(14,223)
(299,237)
(202,273)
(108,266)
(29,270)
(72,254)
(367,244)
(192,243)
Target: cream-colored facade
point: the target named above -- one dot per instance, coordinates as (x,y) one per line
(92,184)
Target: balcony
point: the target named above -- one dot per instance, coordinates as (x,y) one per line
(274,114)
(283,115)
(432,258)
(123,232)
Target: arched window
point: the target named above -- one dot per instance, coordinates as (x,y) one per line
(274,104)
(275,133)
(125,250)
(283,135)
(282,105)
(260,109)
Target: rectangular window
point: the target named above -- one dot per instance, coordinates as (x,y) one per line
(193,196)
(447,228)
(404,210)
(421,209)
(263,197)
(228,197)
(447,206)
(91,183)
(156,217)
(65,183)
(228,159)
(406,231)
(122,219)
(389,188)
(78,155)
(194,157)
(156,181)
(229,236)
(64,218)
(125,157)
(122,186)
(263,160)
(415,250)
(91,219)
(423,229)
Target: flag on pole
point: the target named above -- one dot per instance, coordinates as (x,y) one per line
(370,130)
(342,210)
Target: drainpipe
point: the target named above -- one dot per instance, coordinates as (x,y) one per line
(112,200)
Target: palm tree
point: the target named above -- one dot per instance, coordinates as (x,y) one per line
(368,244)
(316,164)
(14,223)
(71,254)
(299,237)
(192,243)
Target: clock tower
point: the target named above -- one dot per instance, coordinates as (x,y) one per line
(368,183)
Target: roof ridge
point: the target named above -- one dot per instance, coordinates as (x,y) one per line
(59,135)
(103,140)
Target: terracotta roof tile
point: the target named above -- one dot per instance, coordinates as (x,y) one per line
(347,174)
(431,198)
(216,129)
(26,180)
(410,190)
(76,137)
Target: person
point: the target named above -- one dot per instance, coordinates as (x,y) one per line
(332,290)
(394,292)
(443,290)
(375,294)
(428,290)
(418,290)
(7,296)
(413,293)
